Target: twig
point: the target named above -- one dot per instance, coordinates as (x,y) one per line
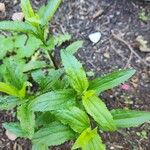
(129,60)
(129,47)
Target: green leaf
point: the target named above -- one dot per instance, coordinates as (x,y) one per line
(74,117)
(8,102)
(8,89)
(50,10)
(45,118)
(13,73)
(98,110)
(110,80)
(53,101)
(75,72)
(129,118)
(39,147)
(33,65)
(72,48)
(27,8)
(6,45)
(61,38)
(54,134)
(27,119)
(89,140)
(15,128)
(46,82)
(17,26)
(29,47)
(41,11)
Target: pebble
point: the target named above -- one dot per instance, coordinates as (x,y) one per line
(95,37)
(10,135)
(106,55)
(2,7)
(18,16)
(148,59)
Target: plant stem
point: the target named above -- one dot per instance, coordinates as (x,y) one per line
(54,62)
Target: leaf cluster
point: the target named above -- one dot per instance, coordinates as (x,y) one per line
(56,103)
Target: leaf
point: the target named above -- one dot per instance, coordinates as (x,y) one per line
(72,48)
(27,8)
(41,11)
(54,134)
(17,27)
(6,45)
(98,110)
(13,73)
(61,38)
(75,72)
(8,89)
(110,80)
(129,118)
(53,101)
(50,10)
(45,118)
(29,47)
(89,140)
(33,65)
(74,117)
(39,147)
(15,128)
(8,102)
(27,119)
(46,83)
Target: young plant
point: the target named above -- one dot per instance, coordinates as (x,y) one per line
(62,104)
(33,36)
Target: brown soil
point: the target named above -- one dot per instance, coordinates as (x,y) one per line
(82,17)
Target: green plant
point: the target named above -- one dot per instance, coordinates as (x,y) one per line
(62,104)
(143,16)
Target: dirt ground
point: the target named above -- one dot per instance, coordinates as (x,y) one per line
(113,18)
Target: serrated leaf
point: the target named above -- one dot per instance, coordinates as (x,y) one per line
(72,48)
(17,26)
(8,102)
(74,117)
(33,65)
(41,11)
(15,128)
(110,80)
(45,118)
(124,118)
(39,147)
(89,140)
(74,70)
(46,82)
(54,100)
(6,45)
(28,49)
(61,38)
(98,110)
(27,119)
(8,89)
(13,73)
(50,10)
(27,8)
(54,134)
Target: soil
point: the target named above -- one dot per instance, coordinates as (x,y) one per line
(82,17)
